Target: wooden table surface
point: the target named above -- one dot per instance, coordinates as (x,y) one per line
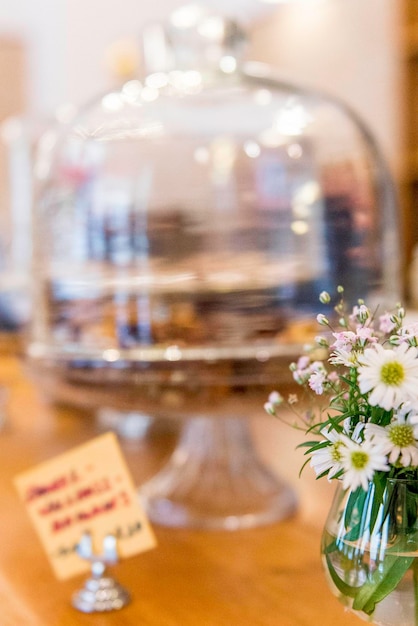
(269,576)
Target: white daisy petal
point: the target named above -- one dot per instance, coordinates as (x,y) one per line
(329,457)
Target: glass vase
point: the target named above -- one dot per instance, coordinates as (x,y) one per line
(370,552)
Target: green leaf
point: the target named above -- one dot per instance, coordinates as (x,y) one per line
(354,504)
(381,583)
(379,481)
(318,446)
(303,467)
(354,533)
(306,444)
(345,589)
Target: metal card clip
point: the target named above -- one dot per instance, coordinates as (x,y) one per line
(100,592)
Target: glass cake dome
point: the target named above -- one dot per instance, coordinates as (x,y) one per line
(184,227)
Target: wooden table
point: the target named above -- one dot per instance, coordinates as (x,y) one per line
(268,576)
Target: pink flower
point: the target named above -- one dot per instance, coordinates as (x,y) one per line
(302,370)
(344,340)
(303,363)
(365,335)
(408,332)
(316,381)
(386,324)
(333,377)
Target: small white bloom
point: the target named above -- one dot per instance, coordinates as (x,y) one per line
(360,314)
(322,319)
(399,439)
(292,399)
(321,341)
(360,461)
(275,398)
(270,408)
(329,457)
(390,375)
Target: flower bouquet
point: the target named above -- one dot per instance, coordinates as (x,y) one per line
(363,433)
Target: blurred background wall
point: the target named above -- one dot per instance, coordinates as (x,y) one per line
(54,52)
(348,48)
(351,49)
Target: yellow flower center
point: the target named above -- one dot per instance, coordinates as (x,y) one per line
(335,452)
(401,435)
(392,374)
(359,459)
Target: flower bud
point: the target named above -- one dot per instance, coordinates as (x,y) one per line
(324,297)
(269,408)
(394,340)
(321,319)
(275,398)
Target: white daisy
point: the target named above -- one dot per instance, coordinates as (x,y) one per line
(349,358)
(399,439)
(329,457)
(390,375)
(410,410)
(360,461)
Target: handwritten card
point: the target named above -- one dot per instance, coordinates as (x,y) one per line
(87,489)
